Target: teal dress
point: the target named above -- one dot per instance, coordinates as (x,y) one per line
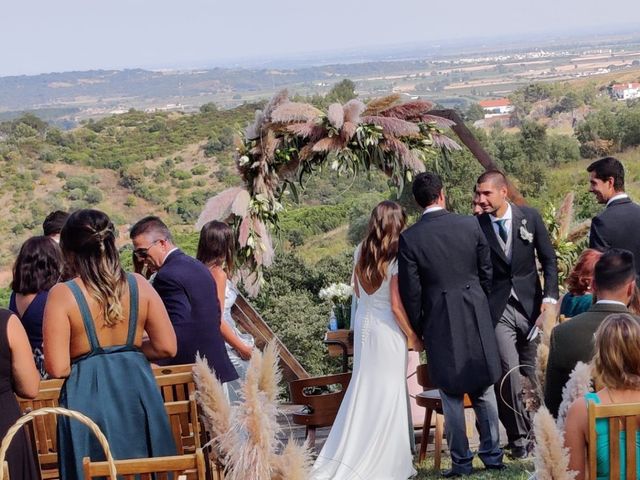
(602,446)
(573,305)
(115,387)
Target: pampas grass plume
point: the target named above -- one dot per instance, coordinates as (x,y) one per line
(294,463)
(551,456)
(577,386)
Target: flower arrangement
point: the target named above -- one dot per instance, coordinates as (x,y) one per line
(339,294)
(289,141)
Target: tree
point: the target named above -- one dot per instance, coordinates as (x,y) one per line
(474,112)
(341,92)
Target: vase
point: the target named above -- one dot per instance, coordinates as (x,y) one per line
(343,315)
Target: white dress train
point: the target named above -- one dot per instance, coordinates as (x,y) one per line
(369,439)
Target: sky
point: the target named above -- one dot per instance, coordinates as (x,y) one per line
(41,36)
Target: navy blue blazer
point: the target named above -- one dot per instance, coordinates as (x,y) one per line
(188,292)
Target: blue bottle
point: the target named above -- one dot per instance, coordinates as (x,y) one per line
(333,321)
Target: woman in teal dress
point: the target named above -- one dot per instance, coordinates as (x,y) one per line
(616,366)
(579,297)
(93,328)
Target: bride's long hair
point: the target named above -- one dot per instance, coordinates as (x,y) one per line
(380,245)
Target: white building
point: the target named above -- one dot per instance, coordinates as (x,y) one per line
(625,91)
(499,106)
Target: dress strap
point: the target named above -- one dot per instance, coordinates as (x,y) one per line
(133,308)
(591,397)
(87,320)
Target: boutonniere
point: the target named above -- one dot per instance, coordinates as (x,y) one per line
(525,234)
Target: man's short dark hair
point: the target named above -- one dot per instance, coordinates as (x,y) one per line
(614,269)
(53,223)
(496,177)
(426,188)
(606,168)
(150,225)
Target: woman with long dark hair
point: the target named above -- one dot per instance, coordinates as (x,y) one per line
(93,328)
(370,436)
(38,267)
(216,250)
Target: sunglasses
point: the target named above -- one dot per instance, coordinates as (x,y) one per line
(143,253)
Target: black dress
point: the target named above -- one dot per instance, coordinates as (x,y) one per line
(19,456)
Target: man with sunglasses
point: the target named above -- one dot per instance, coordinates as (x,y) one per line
(188,292)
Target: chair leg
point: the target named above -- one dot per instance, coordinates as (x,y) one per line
(426,427)
(311,436)
(438,441)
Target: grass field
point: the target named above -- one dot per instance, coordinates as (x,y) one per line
(516,470)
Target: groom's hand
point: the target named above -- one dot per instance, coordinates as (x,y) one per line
(415,344)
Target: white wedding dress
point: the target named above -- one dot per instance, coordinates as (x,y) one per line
(369,439)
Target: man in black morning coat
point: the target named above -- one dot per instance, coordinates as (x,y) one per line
(516,236)
(444,272)
(619,223)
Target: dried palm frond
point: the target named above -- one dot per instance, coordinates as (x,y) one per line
(438,121)
(565,215)
(377,105)
(353,109)
(306,152)
(335,115)
(219,207)
(270,143)
(210,395)
(577,386)
(240,205)
(551,456)
(442,141)
(328,144)
(408,111)
(295,112)
(408,158)
(244,231)
(393,126)
(306,129)
(348,130)
(294,463)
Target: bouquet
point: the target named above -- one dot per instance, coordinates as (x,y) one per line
(339,294)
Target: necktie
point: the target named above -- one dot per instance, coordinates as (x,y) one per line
(502,229)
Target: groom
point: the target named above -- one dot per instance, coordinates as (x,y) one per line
(444,272)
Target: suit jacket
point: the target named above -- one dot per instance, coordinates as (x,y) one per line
(444,272)
(521,273)
(188,292)
(611,228)
(572,342)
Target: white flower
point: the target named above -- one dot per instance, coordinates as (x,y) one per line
(525,234)
(336,293)
(243,160)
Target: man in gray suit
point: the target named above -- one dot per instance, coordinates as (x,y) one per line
(572,341)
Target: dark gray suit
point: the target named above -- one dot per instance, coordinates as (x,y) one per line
(572,342)
(611,228)
(515,298)
(444,271)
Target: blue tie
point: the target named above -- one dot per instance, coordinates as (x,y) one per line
(502,230)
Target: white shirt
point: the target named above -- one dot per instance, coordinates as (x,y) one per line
(610,302)
(508,215)
(617,197)
(169,253)
(435,208)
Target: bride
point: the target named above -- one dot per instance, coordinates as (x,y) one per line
(370,436)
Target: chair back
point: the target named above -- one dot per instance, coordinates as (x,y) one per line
(175,386)
(324,407)
(191,467)
(44,429)
(424,379)
(183,418)
(622,417)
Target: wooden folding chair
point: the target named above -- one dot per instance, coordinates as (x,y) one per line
(190,467)
(622,418)
(44,430)
(159,371)
(186,434)
(431,400)
(176,386)
(323,408)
